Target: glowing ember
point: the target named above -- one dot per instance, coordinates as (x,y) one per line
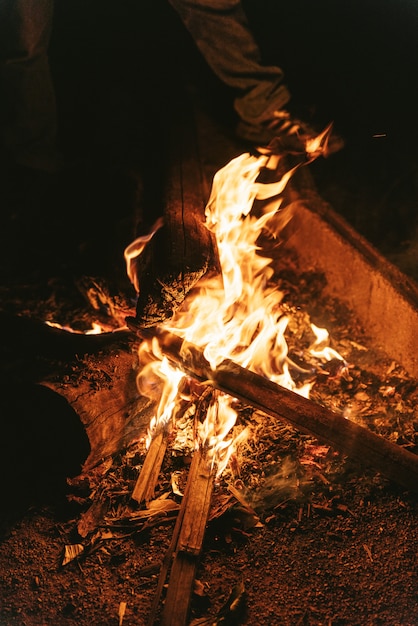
(96,328)
(238,315)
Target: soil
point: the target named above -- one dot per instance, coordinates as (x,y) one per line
(349,560)
(298,533)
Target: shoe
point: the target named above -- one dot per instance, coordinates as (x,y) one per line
(284,133)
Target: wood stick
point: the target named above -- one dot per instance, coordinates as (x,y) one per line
(197,503)
(190,532)
(145,485)
(177,603)
(187,538)
(371,450)
(166,564)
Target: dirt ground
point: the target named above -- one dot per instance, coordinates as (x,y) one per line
(334,565)
(313,538)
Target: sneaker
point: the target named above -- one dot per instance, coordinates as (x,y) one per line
(286,134)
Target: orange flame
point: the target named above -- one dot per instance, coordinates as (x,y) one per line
(214,430)
(96,328)
(239,314)
(135,249)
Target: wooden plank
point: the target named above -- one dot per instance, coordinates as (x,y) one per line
(181,559)
(177,603)
(189,244)
(183,250)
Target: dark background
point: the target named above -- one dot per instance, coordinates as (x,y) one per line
(119,66)
(120,70)
(355,61)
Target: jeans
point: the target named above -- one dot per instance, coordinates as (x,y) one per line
(221,32)
(27,105)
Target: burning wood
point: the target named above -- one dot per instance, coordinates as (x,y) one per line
(240,316)
(221,340)
(391,460)
(187,539)
(188,535)
(186,543)
(145,485)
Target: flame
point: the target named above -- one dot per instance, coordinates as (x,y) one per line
(159,381)
(96,328)
(239,314)
(320,348)
(136,248)
(319,144)
(214,430)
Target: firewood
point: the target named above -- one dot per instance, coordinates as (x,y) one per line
(148,477)
(177,603)
(187,539)
(107,402)
(165,566)
(197,501)
(371,450)
(181,557)
(190,535)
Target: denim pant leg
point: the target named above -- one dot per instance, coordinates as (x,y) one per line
(221,32)
(28,109)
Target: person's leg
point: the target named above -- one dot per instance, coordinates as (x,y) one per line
(28,108)
(221,31)
(222,34)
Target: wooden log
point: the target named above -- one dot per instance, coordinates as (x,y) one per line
(190,534)
(197,502)
(371,450)
(189,244)
(382,297)
(145,485)
(104,395)
(184,249)
(180,587)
